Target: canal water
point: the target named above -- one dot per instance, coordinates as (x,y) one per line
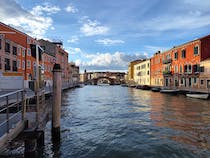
(121,122)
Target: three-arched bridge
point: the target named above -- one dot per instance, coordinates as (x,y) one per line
(104,80)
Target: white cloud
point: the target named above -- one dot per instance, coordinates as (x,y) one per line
(91,28)
(108,42)
(107,61)
(34,23)
(45,8)
(71,9)
(73,39)
(72,50)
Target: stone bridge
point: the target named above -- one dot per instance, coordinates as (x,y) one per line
(106,80)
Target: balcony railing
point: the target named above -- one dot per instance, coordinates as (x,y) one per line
(167,61)
(167,72)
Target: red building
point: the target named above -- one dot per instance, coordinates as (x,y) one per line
(15,53)
(181,65)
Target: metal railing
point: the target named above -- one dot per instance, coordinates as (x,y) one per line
(12,110)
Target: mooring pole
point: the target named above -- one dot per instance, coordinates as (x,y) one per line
(56,102)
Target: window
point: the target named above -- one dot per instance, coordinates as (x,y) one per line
(176,55)
(184,53)
(7,47)
(196,68)
(7,64)
(23,65)
(28,40)
(14,50)
(28,64)
(195,80)
(196,50)
(29,52)
(23,52)
(176,69)
(202,82)
(180,68)
(182,80)
(189,68)
(14,65)
(202,69)
(148,65)
(18,64)
(147,72)
(19,51)
(185,68)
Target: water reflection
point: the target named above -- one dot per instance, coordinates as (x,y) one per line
(114,121)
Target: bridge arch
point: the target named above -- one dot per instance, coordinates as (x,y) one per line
(96,80)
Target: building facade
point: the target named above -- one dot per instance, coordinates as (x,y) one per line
(156,70)
(182,65)
(142,73)
(131,70)
(15,54)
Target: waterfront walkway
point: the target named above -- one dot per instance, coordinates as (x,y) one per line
(16,113)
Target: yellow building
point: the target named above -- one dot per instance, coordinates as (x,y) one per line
(131,70)
(142,73)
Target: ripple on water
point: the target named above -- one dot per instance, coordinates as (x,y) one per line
(114,121)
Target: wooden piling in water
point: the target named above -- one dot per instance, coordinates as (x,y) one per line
(57,83)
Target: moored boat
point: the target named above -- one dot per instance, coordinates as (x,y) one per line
(155,89)
(197,95)
(169,91)
(124,85)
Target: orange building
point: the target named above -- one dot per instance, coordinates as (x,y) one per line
(54,49)
(181,65)
(156,70)
(16,53)
(48,63)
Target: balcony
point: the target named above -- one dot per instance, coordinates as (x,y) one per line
(166,73)
(167,61)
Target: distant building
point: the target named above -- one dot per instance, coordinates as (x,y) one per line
(131,69)
(55,54)
(156,70)
(142,72)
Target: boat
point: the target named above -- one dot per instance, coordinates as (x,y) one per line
(155,89)
(124,85)
(132,86)
(138,87)
(169,91)
(146,87)
(197,95)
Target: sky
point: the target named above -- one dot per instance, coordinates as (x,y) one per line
(105,35)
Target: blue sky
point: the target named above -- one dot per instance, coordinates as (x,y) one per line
(108,34)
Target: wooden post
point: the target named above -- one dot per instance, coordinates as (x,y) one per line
(30,148)
(56,102)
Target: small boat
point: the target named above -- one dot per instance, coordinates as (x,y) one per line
(124,85)
(169,91)
(197,95)
(146,87)
(155,89)
(138,87)
(132,86)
